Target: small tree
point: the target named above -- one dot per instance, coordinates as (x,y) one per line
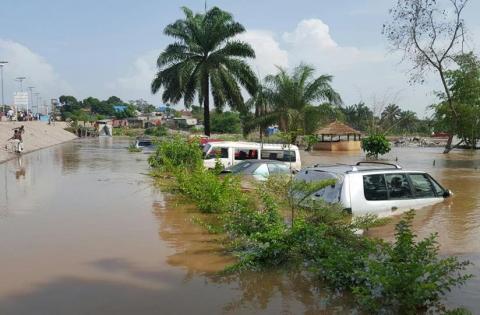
(375,144)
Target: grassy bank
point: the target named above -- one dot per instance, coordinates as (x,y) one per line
(272,226)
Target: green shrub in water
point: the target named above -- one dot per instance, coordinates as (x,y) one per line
(375,145)
(157,131)
(176,153)
(407,276)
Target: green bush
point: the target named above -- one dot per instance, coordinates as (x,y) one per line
(226,122)
(407,276)
(209,192)
(176,153)
(375,145)
(310,140)
(133,148)
(157,131)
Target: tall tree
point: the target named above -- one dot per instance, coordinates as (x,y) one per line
(464,87)
(359,116)
(290,94)
(429,36)
(390,116)
(205,58)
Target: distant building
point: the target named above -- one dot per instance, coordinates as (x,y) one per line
(185,122)
(119,108)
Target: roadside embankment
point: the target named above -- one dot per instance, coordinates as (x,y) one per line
(38,135)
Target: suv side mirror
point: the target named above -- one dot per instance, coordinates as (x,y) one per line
(447,193)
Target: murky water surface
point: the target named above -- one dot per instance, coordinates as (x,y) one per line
(84,231)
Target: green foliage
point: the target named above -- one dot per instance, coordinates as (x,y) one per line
(226,122)
(287,99)
(464,85)
(310,140)
(375,145)
(133,148)
(209,192)
(176,153)
(92,107)
(407,276)
(127,132)
(359,116)
(129,111)
(157,131)
(205,58)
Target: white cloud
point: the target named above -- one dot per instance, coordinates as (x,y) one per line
(23,62)
(312,43)
(136,84)
(267,50)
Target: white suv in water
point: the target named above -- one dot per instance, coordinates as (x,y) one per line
(374,187)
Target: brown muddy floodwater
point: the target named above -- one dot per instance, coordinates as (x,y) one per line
(84,231)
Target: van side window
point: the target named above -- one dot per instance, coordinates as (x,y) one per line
(398,186)
(218,151)
(279,155)
(246,154)
(374,187)
(422,186)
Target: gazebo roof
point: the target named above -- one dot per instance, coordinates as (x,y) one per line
(336,129)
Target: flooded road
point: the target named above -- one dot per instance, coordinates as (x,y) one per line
(84,231)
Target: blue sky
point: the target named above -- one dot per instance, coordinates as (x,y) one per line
(103,48)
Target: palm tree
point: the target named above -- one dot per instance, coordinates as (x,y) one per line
(390,116)
(290,94)
(204,59)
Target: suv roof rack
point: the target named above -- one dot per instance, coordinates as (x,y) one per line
(381,163)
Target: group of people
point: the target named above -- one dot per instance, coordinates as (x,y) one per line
(20,115)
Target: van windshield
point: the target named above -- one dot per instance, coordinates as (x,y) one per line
(212,152)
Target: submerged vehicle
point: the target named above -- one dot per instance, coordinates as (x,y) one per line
(231,153)
(374,187)
(258,169)
(145,143)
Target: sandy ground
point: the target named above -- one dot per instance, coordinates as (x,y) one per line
(37,135)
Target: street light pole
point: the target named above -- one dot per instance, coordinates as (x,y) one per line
(2,63)
(37,95)
(30,88)
(20,79)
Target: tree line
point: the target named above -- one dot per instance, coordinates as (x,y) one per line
(91,108)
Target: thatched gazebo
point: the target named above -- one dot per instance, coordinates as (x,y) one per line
(338,137)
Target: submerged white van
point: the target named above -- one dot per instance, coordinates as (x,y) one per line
(232,152)
(374,187)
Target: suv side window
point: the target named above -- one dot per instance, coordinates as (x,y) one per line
(422,186)
(398,186)
(374,187)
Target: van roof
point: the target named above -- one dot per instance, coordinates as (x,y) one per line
(245,144)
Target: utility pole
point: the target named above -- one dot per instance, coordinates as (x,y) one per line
(20,80)
(2,63)
(30,88)
(37,96)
